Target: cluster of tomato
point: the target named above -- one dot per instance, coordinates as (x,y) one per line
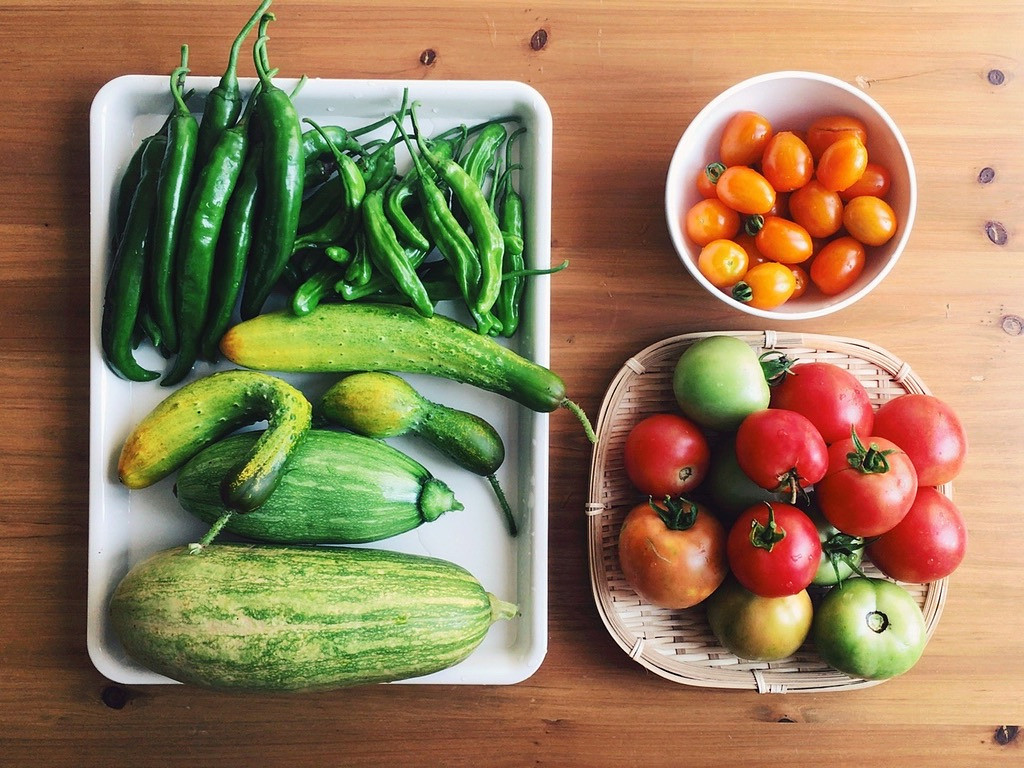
(783,213)
(766,496)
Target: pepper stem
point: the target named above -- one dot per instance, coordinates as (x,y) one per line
(230,77)
(178,82)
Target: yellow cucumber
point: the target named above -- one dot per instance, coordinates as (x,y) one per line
(202,412)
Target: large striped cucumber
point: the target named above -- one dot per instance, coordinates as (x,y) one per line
(336,488)
(207,409)
(272,618)
(347,337)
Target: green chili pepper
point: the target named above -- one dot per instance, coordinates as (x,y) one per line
(343,223)
(397,196)
(124,289)
(360,269)
(318,287)
(224,102)
(282,180)
(511,218)
(389,257)
(174,186)
(486,233)
(318,171)
(204,219)
(481,157)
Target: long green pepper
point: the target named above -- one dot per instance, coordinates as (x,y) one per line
(283,183)
(123,295)
(511,218)
(388,255)
(173,189)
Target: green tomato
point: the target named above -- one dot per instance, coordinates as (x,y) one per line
(718,381)
(841,553)
(758,628)
(869,628)
(728,488)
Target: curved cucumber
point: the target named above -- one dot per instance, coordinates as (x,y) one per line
(382,405)
(206,410)
(337,488)
(348,337)
(273,618)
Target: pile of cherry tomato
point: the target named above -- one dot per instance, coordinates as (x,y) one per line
(770,489)
(786,212)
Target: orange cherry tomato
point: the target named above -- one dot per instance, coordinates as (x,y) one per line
(802,280)
(784,241)
(816,209)
(706,179)
(838,265)
(745,190)
(744,138)
(875,180)
(766,286)
(722,262)
(749,244)
(711,219)
(870,220)
(842,163)
(787,162)
(826,130)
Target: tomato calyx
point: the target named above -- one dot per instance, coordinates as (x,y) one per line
(753,223)
(766,535)
(869,460)
(678,514)
(776,365)
(877,622)
(713,171)
(742,292)
(843,548)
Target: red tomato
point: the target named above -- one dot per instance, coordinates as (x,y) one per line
(787,162)
(672,553)
(774,549)
(869,220)
(842,163)
(869,486)
(825,131)
(766,286)
(781,450)
(929,431)
(710,219)
(666,455)
(875,181)
(929,543)
(744,138)
(745,190)
(802,280)
(831,397)
(838,265)
(784,241)
(816,209)
(722,262)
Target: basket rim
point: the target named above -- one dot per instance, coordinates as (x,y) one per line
(766,677)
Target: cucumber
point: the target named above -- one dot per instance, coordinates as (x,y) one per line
(382,405)
(272,618)
(207,409)
(336,488)
(349,337)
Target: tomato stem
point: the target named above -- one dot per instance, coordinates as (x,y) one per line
(776,365)
(871,460)
(677,514)
(713,171)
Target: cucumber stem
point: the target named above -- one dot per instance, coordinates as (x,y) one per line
(217,527)
(502,610)
(582,416)
(510,519)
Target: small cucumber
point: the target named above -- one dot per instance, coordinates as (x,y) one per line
(262,617)
(382,405)
(207,409)
(350,337)
(336,488)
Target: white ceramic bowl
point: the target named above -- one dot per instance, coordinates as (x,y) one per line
(790,101)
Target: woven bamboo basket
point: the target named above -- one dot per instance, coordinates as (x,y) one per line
(679,645)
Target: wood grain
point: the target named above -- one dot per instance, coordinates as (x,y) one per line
(622,80)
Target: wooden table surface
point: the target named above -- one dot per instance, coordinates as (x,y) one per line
(622,80)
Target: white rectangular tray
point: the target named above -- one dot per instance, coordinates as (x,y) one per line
(126,526)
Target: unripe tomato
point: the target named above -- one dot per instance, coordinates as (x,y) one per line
(787,162)
(876,181)
(870,220)
(842,163)
(766,286)
(758,628)
(838,265)
(816,209)
(711,219)
(825,131)
(745,190)
(784,241)
(722,262)
(744,138)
